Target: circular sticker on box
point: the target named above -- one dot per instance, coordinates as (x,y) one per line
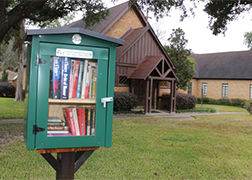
(76,39)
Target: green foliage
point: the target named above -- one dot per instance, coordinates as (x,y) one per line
(247,105)
(223,101)
(221,12)
(4,76)
(183,101)
(124,101)
(7,90)
(248,39)
(179,55)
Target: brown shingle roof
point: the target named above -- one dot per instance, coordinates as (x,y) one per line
(115,13)
(227,65)
(143,70)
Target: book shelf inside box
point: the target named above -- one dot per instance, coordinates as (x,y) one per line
(56,105)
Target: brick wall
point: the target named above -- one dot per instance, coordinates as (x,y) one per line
(236,88)
(128,20)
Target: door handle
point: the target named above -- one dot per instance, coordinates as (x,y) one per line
(105,100)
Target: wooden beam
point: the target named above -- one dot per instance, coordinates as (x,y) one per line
(81,158)
(61,150)
(52,161)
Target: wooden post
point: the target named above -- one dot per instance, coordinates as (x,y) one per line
(68,160)
(66,166)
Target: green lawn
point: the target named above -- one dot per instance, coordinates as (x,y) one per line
(221,108)
(209,147)
(10,109)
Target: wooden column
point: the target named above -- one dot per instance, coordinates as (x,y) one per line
(171,96)
(68,160)
(147,96)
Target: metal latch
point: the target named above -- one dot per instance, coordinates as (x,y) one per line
(105,100)
(37,129)
(39,61)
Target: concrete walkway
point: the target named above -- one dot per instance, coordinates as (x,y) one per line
(160,114)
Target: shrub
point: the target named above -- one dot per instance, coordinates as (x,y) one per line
(247,106)
(223,101)
(183,101)
(124,101)
(7,90)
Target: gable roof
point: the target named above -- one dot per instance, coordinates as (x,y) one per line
(227,65)
(149,65)
(133,35)
(115,13)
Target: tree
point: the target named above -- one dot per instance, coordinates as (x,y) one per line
(248,39)
(12,12)
(179,56)
(8,57)
(4,76)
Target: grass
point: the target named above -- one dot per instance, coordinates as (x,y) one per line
(209,147)
(222,108)
(10,109)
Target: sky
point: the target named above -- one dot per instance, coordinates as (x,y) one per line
(199,36)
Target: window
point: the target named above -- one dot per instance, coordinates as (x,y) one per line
(123,80)
(189,90)
(204,89)
(250,91)
(225,90)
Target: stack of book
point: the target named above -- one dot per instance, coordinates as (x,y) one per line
(73,78)
(81,120)
(57,127)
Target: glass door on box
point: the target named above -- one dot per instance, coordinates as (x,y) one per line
(72,97)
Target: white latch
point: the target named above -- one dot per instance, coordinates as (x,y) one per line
(105,100)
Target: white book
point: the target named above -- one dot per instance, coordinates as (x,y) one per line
(71,79)
(76,124)
(83,88)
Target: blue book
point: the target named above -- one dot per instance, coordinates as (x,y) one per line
(65,76)
(55,77)
(78,93)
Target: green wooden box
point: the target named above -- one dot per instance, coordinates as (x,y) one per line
(69,88)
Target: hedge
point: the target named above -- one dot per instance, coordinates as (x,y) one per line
(125,101)
(223,101)
(183,101)
(7,90)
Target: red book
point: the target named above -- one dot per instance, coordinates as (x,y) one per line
(75,78)
(82,120)
(68,114)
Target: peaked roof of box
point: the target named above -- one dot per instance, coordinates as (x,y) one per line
(115,13)
(226,65)
(31,32)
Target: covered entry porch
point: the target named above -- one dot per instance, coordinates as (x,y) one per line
(146,79)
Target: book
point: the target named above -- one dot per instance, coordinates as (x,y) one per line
(82,120)
(94,82)
(87,83)
(58,134)
(83,88)
(75,78)
(54,120)
(68,115)
(93,121)
(76,123)
(71,78)
(78,93)
(55,77)
(57,128)
(56,123)
(65,73)
(88,121)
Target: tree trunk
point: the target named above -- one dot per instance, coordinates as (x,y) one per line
(19,88)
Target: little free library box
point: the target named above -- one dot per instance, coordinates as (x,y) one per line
(69,88)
